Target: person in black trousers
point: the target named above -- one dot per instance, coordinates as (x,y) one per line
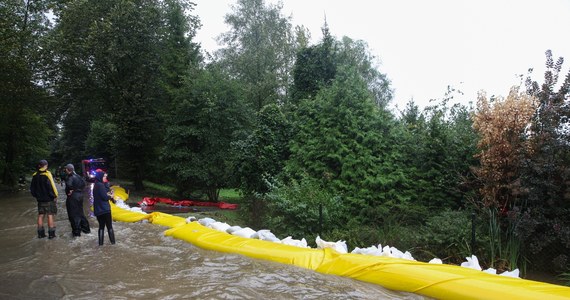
(74,186)
(102,208)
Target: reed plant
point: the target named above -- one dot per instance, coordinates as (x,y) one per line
(505,251)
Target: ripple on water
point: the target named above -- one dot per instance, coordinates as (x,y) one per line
(145,264)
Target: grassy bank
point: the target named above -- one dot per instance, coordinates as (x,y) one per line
(232,217)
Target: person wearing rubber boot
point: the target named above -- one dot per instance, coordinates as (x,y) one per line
(44,190)
(102,208)
(74,186)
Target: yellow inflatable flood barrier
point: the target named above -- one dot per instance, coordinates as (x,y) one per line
(119,192)
(212,239)
(438,281)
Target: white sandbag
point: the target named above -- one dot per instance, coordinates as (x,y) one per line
(206,221)
(219,226)
(339,246)
(244,232)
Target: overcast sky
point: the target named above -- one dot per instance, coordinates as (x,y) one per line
(424,46)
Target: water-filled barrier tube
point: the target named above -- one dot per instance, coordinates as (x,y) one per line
(439,281)
(151,201)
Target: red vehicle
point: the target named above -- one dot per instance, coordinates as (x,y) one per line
(89,166)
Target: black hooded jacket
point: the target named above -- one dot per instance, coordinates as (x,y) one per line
(42,186)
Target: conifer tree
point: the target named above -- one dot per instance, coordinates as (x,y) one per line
(341,139)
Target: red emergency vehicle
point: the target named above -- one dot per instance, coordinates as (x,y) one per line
(89,166)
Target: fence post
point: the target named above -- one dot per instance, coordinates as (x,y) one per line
(473,233)
(320,219)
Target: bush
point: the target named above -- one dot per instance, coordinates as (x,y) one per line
(293,209)
(447,235)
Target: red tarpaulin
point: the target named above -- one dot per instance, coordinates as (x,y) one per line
(150,201)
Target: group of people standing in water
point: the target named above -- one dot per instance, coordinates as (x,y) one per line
(43,188)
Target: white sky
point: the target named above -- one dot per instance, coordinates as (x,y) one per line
(425,45)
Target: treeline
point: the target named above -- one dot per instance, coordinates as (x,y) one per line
(302,129)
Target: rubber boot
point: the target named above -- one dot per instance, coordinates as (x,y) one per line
(85,226)
(51,232)
(41,233)
(112,236)
(76,228)
(101,236)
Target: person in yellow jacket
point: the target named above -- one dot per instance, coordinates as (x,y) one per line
(44,190)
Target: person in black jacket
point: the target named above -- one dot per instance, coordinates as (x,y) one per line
(44,190)
(74,186)
(102,208)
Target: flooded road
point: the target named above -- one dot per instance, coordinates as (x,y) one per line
(144,264)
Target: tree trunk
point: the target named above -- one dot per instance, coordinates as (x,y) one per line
(213,194)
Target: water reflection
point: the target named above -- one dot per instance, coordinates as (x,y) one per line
(144,264)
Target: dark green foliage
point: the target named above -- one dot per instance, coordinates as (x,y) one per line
(78,85)
(131,58)
(314,68)
(121,61)
(102,139)
(392,232)
(447,235)
(342,141)
(262,154)
(208,116)
(438,146)
(26,112)
(180,55)
(303,209)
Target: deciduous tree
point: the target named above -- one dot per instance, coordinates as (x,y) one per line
(26,110)
(546,170)
(259,50)
(500,123)
(208,115)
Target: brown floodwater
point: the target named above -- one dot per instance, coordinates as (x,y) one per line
(145,264)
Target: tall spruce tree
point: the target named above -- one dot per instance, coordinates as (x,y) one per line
(342,139)
(314,68)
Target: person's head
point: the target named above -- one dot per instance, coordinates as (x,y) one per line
(69,168)
(100,175)
(42,164)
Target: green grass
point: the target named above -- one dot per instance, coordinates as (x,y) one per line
(565,278)
(159,187)
(227,195)
(232,217)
